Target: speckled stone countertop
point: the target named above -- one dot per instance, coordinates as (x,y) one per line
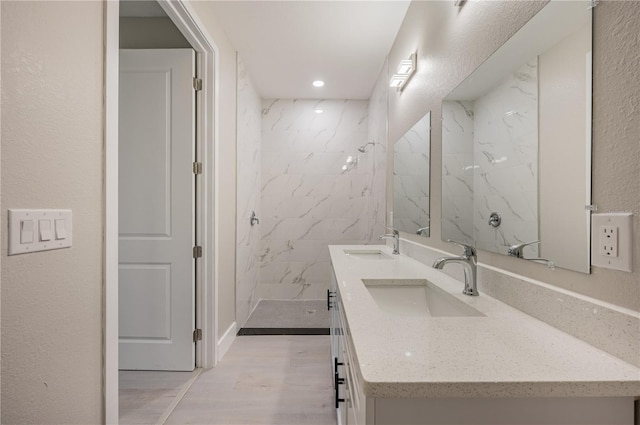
(505,354)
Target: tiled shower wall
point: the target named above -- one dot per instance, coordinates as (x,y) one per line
(316,191)
(490,168)
(506,155)
(248,195)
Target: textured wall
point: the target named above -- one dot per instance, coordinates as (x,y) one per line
(225,227)
(248,237)
(452,42)
(308,199)
(52,158)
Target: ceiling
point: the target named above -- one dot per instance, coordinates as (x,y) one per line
(286,45)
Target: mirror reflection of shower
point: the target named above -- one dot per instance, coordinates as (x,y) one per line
(352,161)
(363,148)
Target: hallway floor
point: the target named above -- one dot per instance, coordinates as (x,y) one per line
(267,380)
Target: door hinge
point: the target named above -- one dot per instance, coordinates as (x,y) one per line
(197,251)
(197,168)
(197,84)
(197,335)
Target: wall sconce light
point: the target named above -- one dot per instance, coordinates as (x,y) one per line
(405,71)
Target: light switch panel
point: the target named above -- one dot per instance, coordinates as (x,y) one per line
(39,230)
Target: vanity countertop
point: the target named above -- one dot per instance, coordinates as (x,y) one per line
(505,354)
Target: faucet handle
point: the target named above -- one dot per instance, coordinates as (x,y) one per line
(517,249)
(393,229)
(469,250)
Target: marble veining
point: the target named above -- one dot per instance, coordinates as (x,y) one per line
(457,170)
(248,195)
(490,163)
(411,165)
(317,189)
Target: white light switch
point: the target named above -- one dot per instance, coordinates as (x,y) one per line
(44,227)
(61,233)
(26,231)
(39,230)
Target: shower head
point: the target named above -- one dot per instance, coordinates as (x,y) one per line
(363,148)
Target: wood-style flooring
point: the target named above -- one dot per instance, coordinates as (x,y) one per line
(146,396)
(266,380)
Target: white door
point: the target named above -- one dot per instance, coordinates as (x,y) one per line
(156,209)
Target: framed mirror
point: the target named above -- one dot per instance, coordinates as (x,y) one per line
(411,167)
(516,144)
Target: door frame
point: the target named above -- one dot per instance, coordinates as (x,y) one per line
(207,68)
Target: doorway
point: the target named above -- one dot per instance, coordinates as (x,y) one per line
(156,223)
(205,318)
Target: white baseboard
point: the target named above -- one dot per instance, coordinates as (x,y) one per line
(227,339)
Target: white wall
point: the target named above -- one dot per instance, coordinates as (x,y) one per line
(563,156)
(249,154)
(226,186)
(52,123)
(445,35)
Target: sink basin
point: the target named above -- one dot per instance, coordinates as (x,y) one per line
(367,254)
(416,298)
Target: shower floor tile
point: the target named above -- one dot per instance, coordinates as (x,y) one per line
(289,314)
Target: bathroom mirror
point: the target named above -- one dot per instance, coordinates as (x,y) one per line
(516,144)
(411,165)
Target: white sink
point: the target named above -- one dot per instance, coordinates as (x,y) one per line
(367,254)
(416,298)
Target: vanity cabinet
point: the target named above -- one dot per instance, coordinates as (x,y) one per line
(397,394)
(350,401)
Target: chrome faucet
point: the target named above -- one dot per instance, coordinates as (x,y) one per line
(468,259)
(422,229)
(518,249)
(396,239)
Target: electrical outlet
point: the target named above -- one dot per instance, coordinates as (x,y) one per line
(608,242)
(611,240)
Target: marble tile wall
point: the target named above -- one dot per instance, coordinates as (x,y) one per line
(411,165)
(249,135)
(490,163)
(457,171)
(506,156)
(316,190)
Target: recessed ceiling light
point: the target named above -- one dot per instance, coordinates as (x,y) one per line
(318,83)
(318,111)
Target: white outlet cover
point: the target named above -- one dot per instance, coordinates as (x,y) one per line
(618,226)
